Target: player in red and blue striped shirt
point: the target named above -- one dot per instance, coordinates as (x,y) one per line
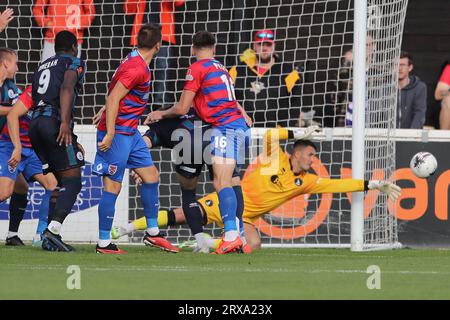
(134,74)
(209,87)
(121,146)
(23,159)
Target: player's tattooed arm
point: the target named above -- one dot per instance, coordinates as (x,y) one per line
(98,116)
(180,108)
(442,91)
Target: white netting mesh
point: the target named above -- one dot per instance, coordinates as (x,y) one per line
(312,37)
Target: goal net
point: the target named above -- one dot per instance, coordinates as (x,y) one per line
(313,39)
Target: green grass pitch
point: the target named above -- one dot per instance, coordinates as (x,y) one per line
(147,273)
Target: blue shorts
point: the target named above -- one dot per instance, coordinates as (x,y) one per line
(231,141)
(29,165)
(126,152)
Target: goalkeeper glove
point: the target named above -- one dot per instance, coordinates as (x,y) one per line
(305,133)
(392,190)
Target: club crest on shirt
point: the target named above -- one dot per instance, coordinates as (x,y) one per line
(189,76)
(80,156)
(11,94)
(298,182)
(112,169)
(257,87)
(209,203)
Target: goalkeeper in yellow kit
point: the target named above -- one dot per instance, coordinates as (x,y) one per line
(275,178)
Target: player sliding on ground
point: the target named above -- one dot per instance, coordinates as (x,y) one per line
(275,178)
(209,88)
(120,145)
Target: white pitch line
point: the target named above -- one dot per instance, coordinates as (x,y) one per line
(214,269)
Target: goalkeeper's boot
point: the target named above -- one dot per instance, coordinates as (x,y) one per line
(188,244)
(117,232)
(229,246)
(53,242)
(201,249)
(14,241)
(160,242)
(111,248)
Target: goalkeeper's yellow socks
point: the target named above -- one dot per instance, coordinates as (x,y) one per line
(139,224)
(165,218)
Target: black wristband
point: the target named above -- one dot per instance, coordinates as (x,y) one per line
(290,134)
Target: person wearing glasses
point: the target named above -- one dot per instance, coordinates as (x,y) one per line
(267,87)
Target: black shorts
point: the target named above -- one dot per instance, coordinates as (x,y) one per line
(160,134)
(190,171)
(54,158)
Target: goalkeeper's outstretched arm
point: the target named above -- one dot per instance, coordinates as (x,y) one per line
(354,185)
(272,138)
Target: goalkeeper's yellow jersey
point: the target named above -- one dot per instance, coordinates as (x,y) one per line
(270,182)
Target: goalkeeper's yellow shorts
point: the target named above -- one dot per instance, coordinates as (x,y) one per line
(210,206)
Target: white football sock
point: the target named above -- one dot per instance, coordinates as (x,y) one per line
(128,229)
(11,234)
(104,243)
(211,242)
(153,231)
(55,227)
(201,239)
(231,235)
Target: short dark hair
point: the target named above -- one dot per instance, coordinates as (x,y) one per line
(304,143)
(203,39)
(405,54)
(149,35)
(5,52)
(64,41)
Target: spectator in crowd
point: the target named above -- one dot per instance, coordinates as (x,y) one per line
(5,18)
(58,15)
(159,12)
(344,103)
(268,88)
(412,96)
(442,94)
